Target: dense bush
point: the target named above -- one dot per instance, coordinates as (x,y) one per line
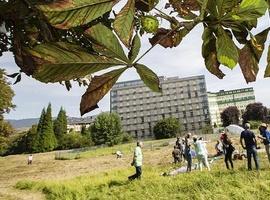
(167,128)
(127,138)
(75,140)
(255,112)
(230,115)
(254,124)
(107,129)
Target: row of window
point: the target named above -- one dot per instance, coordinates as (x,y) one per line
(147,121)
(146,132)
(178,86)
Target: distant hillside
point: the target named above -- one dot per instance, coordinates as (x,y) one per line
(23,123)
(27,123)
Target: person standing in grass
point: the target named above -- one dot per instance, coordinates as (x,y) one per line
(250,145)
(228,149)
(30,159)
(179,146)
(265,137)
(137,161)
(176,155)
(201,152)
(187,151)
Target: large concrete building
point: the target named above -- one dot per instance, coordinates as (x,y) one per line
(140,108)
(218,101)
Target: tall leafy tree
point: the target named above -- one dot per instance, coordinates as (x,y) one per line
(48,140)
(25,143)
(107,129)
(60,125)
(167,128)
(39,129)
(230,115)
(255,112)
(60,42)
(6,95)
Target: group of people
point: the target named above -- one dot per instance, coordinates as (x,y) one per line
(183,151)
(249,143)
(183,148)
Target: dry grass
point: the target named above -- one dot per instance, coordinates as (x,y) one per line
(14,168)
(93,164)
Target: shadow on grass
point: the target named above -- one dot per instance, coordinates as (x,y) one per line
(115,183)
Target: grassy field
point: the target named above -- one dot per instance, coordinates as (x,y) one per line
(99,175)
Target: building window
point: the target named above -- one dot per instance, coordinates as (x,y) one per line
(143,133)
(185,127)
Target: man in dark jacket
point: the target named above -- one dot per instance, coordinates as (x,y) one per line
(250,145)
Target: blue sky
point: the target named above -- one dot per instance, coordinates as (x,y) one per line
(184,60)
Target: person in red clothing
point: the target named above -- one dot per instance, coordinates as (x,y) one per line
(228,150)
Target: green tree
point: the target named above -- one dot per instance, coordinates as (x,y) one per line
(60,42)
(46,140)
(75,140)
(6,95)
(37,142)
(230,115)
(5,128)
(255,112)
(60,126)
(167,128)
(84,130)
(107,129)
(25,142)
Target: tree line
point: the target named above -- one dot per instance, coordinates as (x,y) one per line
(255,113)
(49,134)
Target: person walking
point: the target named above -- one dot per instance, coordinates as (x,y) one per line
(137,161)
(201,152)
(228,150)
(187,152)
(265,137)
(250,145)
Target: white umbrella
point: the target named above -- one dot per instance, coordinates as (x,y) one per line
(234,129)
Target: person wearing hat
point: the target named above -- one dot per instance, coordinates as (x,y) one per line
(250,145)
(265,137)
